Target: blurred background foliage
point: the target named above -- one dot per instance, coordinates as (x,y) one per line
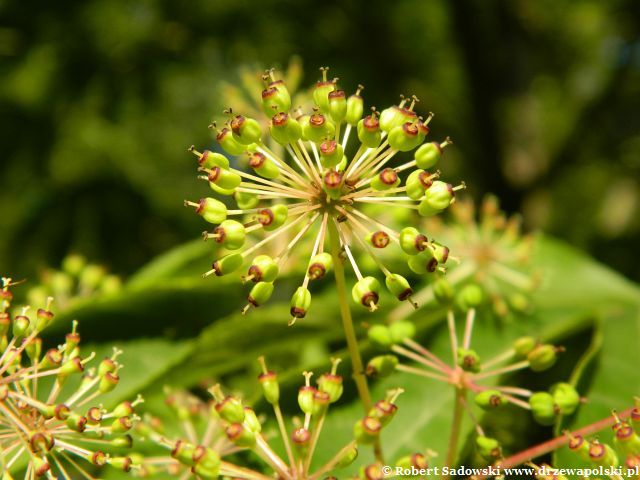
(99,102)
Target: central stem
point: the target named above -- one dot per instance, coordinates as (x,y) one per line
(349,330)
(458,413)
(347,321)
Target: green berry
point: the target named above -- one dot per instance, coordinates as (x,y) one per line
(285,129)
(380,336)
(381,366)
(230,409)
(331,384)
(245,200)
(355,107)
(438,197)
(224,179)
(264,166)
(428,154)
(260,293)
(227,264)
(318,128)
(385,180)
(263,269)
(417,183)
(489,399)
(468,360)
(412,241)
(565,397)
(209,159)
(542,357)
(270,387)
(367,430)
(319,265)
(405,137)
(275,99)
(378,239)
(337,105)
(305,398)
(366,292)
(384,411)
(423,263)
(348,457)
(398,286)
(332,183)
(369,131)
(488,448)
(229,144)
(321,92)
(240,435)
(543,408)
(331,153)
(212,210)
(524,345)
(470,296)
(246,130)
(394,116)
(230,234)
(274,217)
(300,302)
(402,330)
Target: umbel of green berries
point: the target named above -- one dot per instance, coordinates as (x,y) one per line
(320,190)
(51,418)
(243,430)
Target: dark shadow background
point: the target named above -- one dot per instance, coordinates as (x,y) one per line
(99,100)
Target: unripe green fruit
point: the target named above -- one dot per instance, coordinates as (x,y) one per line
(489,399)
(470,296)
(332,183)
(319,265)
(366,292)
(384,411)
(488,448)
(385,180)
(331,384)
(212,210)
(468,360)
(381,366)
(283,93)
(369,131)
(543,408)
(321,401)
(565,397)
(524,345)
(220,190)
(260,293)
(274,217)
(245,200)
(423,263)
(331,153)
(542,357)
(405,137)
(391,117)
(227,264)
(438,197)
(412,241)
(440,252)
(264,166)
(318,129)
(231,234)
(285,129)
(417,184)
(209,159)
(305,398)
(402,330)
(367,430)
(428,154)
(231,410)
(251,420)
(337,105)
(207,463)
(245,130)
(398,286)
(443,291)
(241,436)
(228,143)
(275,99)
(321,94)
(270,387)
(300,302)
(224,179)
(602,454)
(380,336)
(263,269)
(355,108)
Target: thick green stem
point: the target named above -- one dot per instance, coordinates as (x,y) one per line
(347,324)
(454,436)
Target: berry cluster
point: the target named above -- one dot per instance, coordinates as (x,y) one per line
(322,189)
